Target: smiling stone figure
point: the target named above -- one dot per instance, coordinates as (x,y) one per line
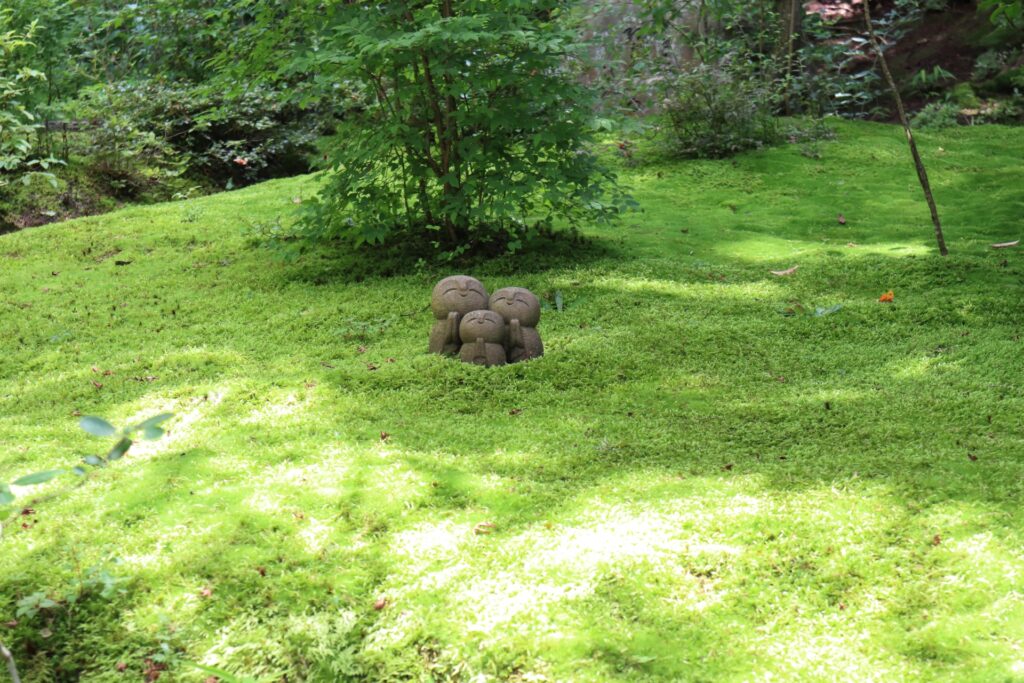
(453,298)
(483,337)
(520,309)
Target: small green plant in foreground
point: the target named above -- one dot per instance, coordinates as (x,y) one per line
(94,578)
(148,429)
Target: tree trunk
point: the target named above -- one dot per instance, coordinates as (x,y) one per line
(790,11)
(922,175)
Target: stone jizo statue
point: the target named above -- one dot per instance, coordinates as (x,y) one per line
(494,331)
(483,338)
(453,297)
(520,310)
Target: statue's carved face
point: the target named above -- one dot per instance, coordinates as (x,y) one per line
(516,303)
(458,293)
(486,325)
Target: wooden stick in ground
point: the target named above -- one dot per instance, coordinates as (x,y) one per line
(11,668)
(922,175)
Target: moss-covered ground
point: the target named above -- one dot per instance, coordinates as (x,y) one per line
(689,485)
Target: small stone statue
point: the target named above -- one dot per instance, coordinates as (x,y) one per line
(483,338)
(520,310)
(453,298)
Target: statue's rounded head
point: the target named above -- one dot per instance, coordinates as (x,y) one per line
(457,293)
(513,303)
(486,325)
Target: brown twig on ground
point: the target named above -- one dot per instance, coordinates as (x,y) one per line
(11,666)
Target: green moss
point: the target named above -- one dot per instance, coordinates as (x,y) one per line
(687,486)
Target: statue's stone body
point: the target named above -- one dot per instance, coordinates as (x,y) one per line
(519,308)
(483,338)
(452,299)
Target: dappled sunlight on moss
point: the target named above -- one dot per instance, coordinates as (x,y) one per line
(689,484)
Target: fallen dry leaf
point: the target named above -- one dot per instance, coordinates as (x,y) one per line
(972,457)
(371,366)
(384,436)
(1006,245)
(515,411)
(783,273)
(937,539)
(206,592)
(153,670)
(121,666)
(484,528)
(842,219)
(887,298)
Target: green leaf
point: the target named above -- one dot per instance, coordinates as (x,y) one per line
(151,433)
(6,497)
(78,470)
(97,426)
(154,421)
(37,478)
(558,300)
(118,451)
(94,460)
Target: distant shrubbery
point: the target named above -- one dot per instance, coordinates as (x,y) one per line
(229,139)
(713,111)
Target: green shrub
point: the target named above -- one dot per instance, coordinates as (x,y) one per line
(937,115)
(475,134)
(18,124)
(713,111)
(118,146)
(135,129)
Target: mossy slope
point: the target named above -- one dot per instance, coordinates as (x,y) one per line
(689,485)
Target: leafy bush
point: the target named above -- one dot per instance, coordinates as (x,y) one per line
(475,134)
(937,115)
(714,111)
(165,127)
(116,143)
(18,124)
